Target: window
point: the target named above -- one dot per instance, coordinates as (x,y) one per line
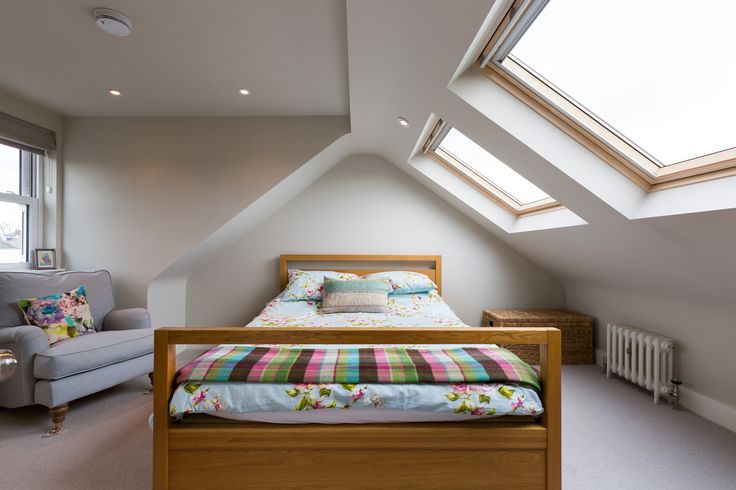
(19,204)
(647,86)
(488,174)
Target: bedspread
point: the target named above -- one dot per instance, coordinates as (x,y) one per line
(419,310)
(396,364)
(445,400)
(485,400)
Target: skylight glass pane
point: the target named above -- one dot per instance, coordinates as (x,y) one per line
(491,168)
(659,72)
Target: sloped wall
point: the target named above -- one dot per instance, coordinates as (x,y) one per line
(140,192)
(704,331)
(366,205)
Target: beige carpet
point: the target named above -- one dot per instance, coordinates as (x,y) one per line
(613,437)
(105,443)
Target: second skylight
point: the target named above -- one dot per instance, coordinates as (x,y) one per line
(491,168)
(485,172)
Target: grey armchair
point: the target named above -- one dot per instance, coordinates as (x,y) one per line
(121,349)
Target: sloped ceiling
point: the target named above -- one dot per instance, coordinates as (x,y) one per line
(402,57)
(395,73)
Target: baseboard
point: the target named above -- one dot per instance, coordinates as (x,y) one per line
(709,408)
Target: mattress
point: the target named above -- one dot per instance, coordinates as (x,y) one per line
(331,417)
(359,402)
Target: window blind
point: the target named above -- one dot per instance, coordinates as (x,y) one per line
(26,136)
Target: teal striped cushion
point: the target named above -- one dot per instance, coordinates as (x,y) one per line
(358,296)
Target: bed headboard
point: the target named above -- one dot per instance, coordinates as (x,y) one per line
(429,265)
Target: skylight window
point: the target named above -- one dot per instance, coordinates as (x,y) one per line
(490,168)
(647,83)
(478,167)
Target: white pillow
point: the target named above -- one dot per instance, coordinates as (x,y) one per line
(404,282)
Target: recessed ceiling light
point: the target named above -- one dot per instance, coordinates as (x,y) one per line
(403,122)
(112,91)
(243,91)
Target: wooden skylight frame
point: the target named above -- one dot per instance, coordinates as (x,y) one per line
(584,127)
(478,181)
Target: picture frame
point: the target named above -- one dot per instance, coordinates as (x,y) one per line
(45,258)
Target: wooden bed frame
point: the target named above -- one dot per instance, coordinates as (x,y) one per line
(215,453)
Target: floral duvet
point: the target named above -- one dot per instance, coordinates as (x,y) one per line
(455,400)
(405,310)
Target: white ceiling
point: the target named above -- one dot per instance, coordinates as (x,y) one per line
(184,57)
(403,56)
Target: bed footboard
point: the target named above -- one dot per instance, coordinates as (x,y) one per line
(430,455)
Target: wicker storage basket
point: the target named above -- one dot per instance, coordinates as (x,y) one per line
(576,331)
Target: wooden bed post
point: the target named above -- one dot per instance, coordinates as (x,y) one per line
(283,271)
(549,362)
(164,370)
(438,273)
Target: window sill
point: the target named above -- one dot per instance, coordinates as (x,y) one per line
(459,190)
(33,271)
(599,140)
(555,148)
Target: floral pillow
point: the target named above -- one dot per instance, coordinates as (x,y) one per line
(61,316)
(404,282)
(308,285)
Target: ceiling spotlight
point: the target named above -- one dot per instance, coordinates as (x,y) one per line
(243,91)
(403,122)
(112,91)
(113,22)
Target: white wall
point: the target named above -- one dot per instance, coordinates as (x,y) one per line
(141,192)
(704,331)
(365,205)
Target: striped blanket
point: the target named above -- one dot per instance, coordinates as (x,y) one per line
(284,364)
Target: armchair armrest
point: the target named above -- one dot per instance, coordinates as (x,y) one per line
(25,341)
(127,319)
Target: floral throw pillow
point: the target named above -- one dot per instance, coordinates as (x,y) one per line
(357,296)
(308,285)
(61,316)
(404,282)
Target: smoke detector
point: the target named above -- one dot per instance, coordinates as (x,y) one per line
(113,22)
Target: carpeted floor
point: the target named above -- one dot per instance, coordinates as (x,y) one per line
(613,437)
(105,443)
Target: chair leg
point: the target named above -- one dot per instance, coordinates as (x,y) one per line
(58,414)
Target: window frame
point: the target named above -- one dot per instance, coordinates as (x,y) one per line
(572,118)
(31,192)
(477,180)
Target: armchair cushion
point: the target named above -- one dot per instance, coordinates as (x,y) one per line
(89,352)
(127,319)
(25,341)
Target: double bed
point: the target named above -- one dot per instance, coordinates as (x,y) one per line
(230,418)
